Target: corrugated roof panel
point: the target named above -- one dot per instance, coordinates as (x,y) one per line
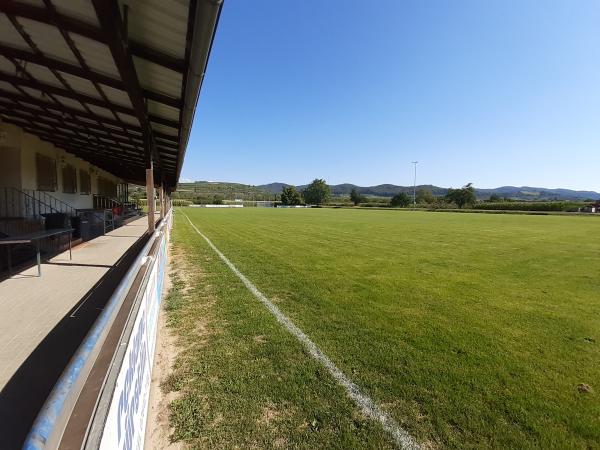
(69,102)
(96,55)
(64,130)
(75,125)
(158,78)
(162,110)
(29,105)
(165,129)
(164,149)
(16,119)
(132,120)
(135,133)
(6,66)
(79,9)
(39,3)
(8,87)
(55,112)
(99,129)
(164,141)
(48,39)
(116,96)
(159,24)
(42,74)
(100,111)
(34,93)
(43,125)
(81,85)
(9,35)
(85,119)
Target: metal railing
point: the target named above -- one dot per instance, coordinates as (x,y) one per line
(103,202)
(49,426)
(28,203)
(109,220)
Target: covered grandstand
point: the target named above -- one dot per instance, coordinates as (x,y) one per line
(95,95)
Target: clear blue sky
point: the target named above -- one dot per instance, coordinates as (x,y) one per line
(494,92)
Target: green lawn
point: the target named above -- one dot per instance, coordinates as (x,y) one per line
(471,330)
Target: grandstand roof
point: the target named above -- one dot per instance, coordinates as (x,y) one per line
(110,81)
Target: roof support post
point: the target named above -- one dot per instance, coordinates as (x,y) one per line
(161,194)
(150,195)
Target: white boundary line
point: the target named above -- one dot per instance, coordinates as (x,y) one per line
(363,401)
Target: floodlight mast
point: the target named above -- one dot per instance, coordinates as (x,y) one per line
(415,184)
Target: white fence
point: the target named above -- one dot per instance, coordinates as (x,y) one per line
(125,424)
(119,416)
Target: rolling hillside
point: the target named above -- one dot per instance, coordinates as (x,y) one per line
(514,192)
(238,190)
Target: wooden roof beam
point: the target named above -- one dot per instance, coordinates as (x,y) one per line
(4,94)
(50,89)
(73,25)
(114,31)
(78,71)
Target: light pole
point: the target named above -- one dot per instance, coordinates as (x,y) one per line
(415,184)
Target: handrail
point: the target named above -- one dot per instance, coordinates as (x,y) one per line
(104,202)
(49,425)
(56,201)
(23,206)
(32,202)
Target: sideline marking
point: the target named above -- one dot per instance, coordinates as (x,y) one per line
(363,401)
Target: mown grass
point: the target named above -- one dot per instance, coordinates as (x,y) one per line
(240,381)
(472,330)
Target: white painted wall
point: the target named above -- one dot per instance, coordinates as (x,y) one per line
(18,140)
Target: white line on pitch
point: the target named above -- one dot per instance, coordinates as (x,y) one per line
(366,404)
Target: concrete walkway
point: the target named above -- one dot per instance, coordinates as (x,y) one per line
(32,306)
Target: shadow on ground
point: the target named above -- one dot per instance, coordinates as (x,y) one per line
(25,393)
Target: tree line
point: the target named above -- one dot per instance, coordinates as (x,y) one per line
(318,192)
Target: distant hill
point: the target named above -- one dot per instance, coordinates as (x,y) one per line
(232,190)
(224,189)
(514,192)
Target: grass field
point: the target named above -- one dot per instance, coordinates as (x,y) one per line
(471,330)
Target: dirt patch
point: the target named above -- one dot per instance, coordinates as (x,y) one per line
(158,429)
(179,271)
(584,388)
(280,442)
(260,339)
(269,414)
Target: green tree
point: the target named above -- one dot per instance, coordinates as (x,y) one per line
(217,200)
(290,196)
(355,197)
(495,198)
(425,195)
(463,196)
(400,199)
(316,192)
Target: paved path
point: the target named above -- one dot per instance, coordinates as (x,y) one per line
(31,306)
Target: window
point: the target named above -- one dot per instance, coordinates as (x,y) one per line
(85,182)
(69,179)
(46,172)
(107,188)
